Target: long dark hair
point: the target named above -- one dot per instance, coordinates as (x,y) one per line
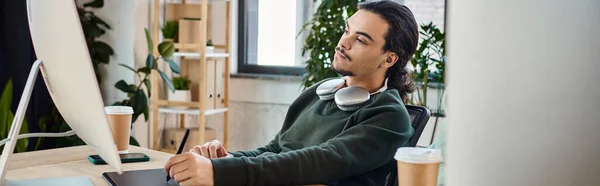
(402,38)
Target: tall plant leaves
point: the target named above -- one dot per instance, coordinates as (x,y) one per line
(149,40)
(166,49)
(123,86)
(6,118)
(324,30)
(5,102)
(128,67)
(95,4)
(167,81)
(139,102)
(150,62)
(148,87)
(173,65)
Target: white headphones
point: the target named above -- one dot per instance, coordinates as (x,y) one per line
(346,98)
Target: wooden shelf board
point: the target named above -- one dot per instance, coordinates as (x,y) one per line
(195,55)
(195,1)
(195,46)
(178,103)
(191,111)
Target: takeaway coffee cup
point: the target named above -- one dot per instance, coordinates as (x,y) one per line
(418,166)
(119,118)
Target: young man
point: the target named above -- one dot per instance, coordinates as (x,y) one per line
(320,143)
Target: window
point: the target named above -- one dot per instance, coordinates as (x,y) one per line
(268,36)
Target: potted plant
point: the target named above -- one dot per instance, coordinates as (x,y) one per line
(170,30)
(324,27)
(137,97)
(94,28)
(429,63)
(182,90)
(210,48)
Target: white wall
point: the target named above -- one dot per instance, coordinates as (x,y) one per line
(127,20)
(524,100)
(119,16)
(427,10)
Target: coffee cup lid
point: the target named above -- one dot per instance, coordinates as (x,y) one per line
(118,110)
(418,155)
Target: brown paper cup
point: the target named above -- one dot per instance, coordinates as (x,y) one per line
(418,166)
(119,118)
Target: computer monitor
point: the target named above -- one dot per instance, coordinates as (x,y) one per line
(67,69)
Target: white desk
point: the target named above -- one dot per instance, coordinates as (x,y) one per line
(72,161)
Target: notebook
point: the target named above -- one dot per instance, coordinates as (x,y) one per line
(150,177)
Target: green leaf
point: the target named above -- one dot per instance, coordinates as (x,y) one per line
(123,86)
(170,29)
(166,49)
(133,141)
(150,61)
(144,70)
(148,86)
(6,117)
(95,4)
(99,21)
(167,81)
(102,47)
(22,143)
(146,114)
(173,65)
(128,67)
(149,40)
(91,30)
(139,102)
(5,102)
(100,57)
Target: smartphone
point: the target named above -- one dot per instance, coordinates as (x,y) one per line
(125,158)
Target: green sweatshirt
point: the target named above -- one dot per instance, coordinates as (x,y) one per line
(321,144)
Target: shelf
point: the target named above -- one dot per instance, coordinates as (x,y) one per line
(191,111)
(178,103)
(195,55)
(191,48)
(195,1)
(195,46)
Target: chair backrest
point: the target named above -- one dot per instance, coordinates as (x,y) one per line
(419,116)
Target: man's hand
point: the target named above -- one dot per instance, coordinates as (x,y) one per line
(213,149)
(190,169)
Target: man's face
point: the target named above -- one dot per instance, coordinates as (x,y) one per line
(360,50)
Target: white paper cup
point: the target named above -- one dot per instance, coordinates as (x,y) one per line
(119,118)
(418,166)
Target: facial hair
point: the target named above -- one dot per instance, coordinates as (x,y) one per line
(342,71)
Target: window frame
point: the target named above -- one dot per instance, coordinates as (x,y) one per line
(243,66)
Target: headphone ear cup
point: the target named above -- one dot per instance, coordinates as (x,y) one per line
(327,90)
(351,98)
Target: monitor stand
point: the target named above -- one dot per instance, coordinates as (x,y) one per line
(13,136)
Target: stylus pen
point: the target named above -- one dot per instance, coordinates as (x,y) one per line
(185,136)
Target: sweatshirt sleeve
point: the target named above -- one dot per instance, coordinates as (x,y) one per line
(271,147)
(366,146)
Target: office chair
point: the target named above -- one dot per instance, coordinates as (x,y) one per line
(418,116)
